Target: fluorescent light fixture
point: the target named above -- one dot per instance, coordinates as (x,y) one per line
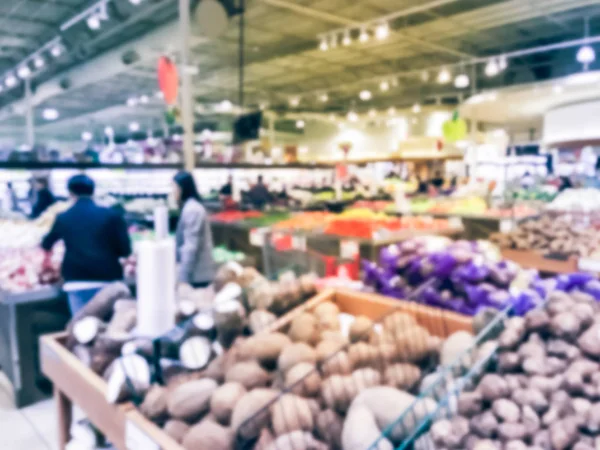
(86,136)
(300,124)
(461,81)
(444,76)
(382,31)
(581,78)
(365,95)
(50,114)
(558,89)
(39,62)
(23,72)
(134,126)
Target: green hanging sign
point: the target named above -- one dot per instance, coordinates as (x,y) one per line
(454,129)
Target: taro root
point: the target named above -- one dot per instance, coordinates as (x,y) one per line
(470,403)
(562,349)
(537,320)
(508,361)
(484,425)
(532,398)
(563,434)
(509,431)
(531,420)
(589,341)
(492,387)
(506,410)
(565,325)
(513,334)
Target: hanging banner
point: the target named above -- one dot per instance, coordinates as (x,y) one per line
(168,79)
(455,129)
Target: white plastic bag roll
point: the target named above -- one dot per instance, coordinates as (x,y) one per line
(156,279)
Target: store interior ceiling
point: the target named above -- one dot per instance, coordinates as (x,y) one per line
(99,70)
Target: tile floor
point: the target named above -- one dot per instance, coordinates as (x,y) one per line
(30,428)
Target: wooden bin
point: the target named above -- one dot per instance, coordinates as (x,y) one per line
(127,428)
(529,259)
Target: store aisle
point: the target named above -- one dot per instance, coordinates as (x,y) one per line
(31,428)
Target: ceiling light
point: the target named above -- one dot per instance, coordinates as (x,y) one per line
(586,55)
(11,81)
(352,116)
(346,41)
(416,108)
(333,41)
(372,113)
(294,102)
(93,22)
(323,46)
(23,72)
(391,111)
(56,51)
(144,99)
(382,31)
(50,114)
(502,63)
(558,89)
(365,95)
(323,98)
(109,131)
(134,126)
(424,76)
(39,62)
(363,36)
(226,105)
(300,124)
(461,81)
(86,136)
(444,76)
(491,68)
(132,101)
(384,86)
(135,2)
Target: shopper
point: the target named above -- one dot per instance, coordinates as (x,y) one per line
(227,188)
(259,194)
(193,235)
(43,197)
(94,237)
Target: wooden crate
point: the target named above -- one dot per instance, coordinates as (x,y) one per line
(437,321)
(76,383)
(529,259)
(127,428)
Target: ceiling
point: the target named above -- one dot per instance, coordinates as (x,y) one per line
(90,84)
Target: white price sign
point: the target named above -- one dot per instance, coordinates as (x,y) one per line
(589,265)
(349,249)
(136,439)
(299,243)
(257,236)
(455,222)
(506,225)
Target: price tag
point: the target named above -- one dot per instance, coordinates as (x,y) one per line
(455,222)
(136,439)
(506,225)
(348,249)
(589,264)
(299,243)
(257,236)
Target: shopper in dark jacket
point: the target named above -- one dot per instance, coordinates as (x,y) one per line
(43,197)
(95,238)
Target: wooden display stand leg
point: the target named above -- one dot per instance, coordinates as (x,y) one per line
(64,410)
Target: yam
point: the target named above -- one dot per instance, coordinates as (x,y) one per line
(338,363)
(154,406)
(101,305)
(224,399)
(123,320)
(362,354)
(329,426)
(176,429)
(296,440)
(96,360)
(303,379)
(326,309)
(402,376)
(265,347)
(229,320)
(338,391)
(291,413)
(361,329)
(191,400)
(249,374)
(208,435)
(251,413)
(398,322)
(296,353)
(304,328)
(260,320)
(329,322)
(326,348)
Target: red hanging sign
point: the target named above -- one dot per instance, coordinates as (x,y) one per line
(168,79)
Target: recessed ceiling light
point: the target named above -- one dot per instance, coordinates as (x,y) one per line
(382,31)
(444,76)
(491,68)
(294,102)
(384,86)
(132,101)
(23,72)
(226,105)
(135,2)
(300,124)
(372,113)
(586,55)
(346,40)
(365,95)
(461,81)
(324,98)
(39,62)
(50,114)
(11,81)
(93,22)
(56,51)
(109,131)
(323,46)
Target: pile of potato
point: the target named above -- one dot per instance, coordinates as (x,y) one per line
(551,235)
(543,390)
(325,381)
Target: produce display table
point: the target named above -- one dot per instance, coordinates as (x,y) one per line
(534,260)
(127,429)
(23,318)
(236,237)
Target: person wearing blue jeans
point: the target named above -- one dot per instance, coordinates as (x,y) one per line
(95,239)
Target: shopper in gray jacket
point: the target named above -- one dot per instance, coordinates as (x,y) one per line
(193,236)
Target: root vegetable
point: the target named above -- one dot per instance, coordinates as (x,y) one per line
(229,320)
(296,353)
(202,324)
(260,320)
(296,440)
(362,354)
(329,426)
(304,328)
(484,424)
(141,346)
(513,334)
(470,404)
(532,398)
(563,434)
(265,347)
(191,400)
(366,377)
(398,322)
(130,375)
(509,431)
(176,429)
(456,344)
(537,320)
(562,349)
(249,374)
(451,433)
(249,415)
(493,387)
(338,391)
(224,399)
(154,406)
(531,420)
(291,413)
(334,336)
(402,376)
(97,361)
(102,304)
(123,320)
(565,325)
(195,352)
(361,329)
(208,435)
(326,309)
(330,322)
(85,330)
(338,363)
(304,379)
(360,431)
(326,348)
(589,341)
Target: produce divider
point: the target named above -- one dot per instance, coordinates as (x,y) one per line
(529,259)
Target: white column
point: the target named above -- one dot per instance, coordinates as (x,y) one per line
(29,122)
(187,100)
